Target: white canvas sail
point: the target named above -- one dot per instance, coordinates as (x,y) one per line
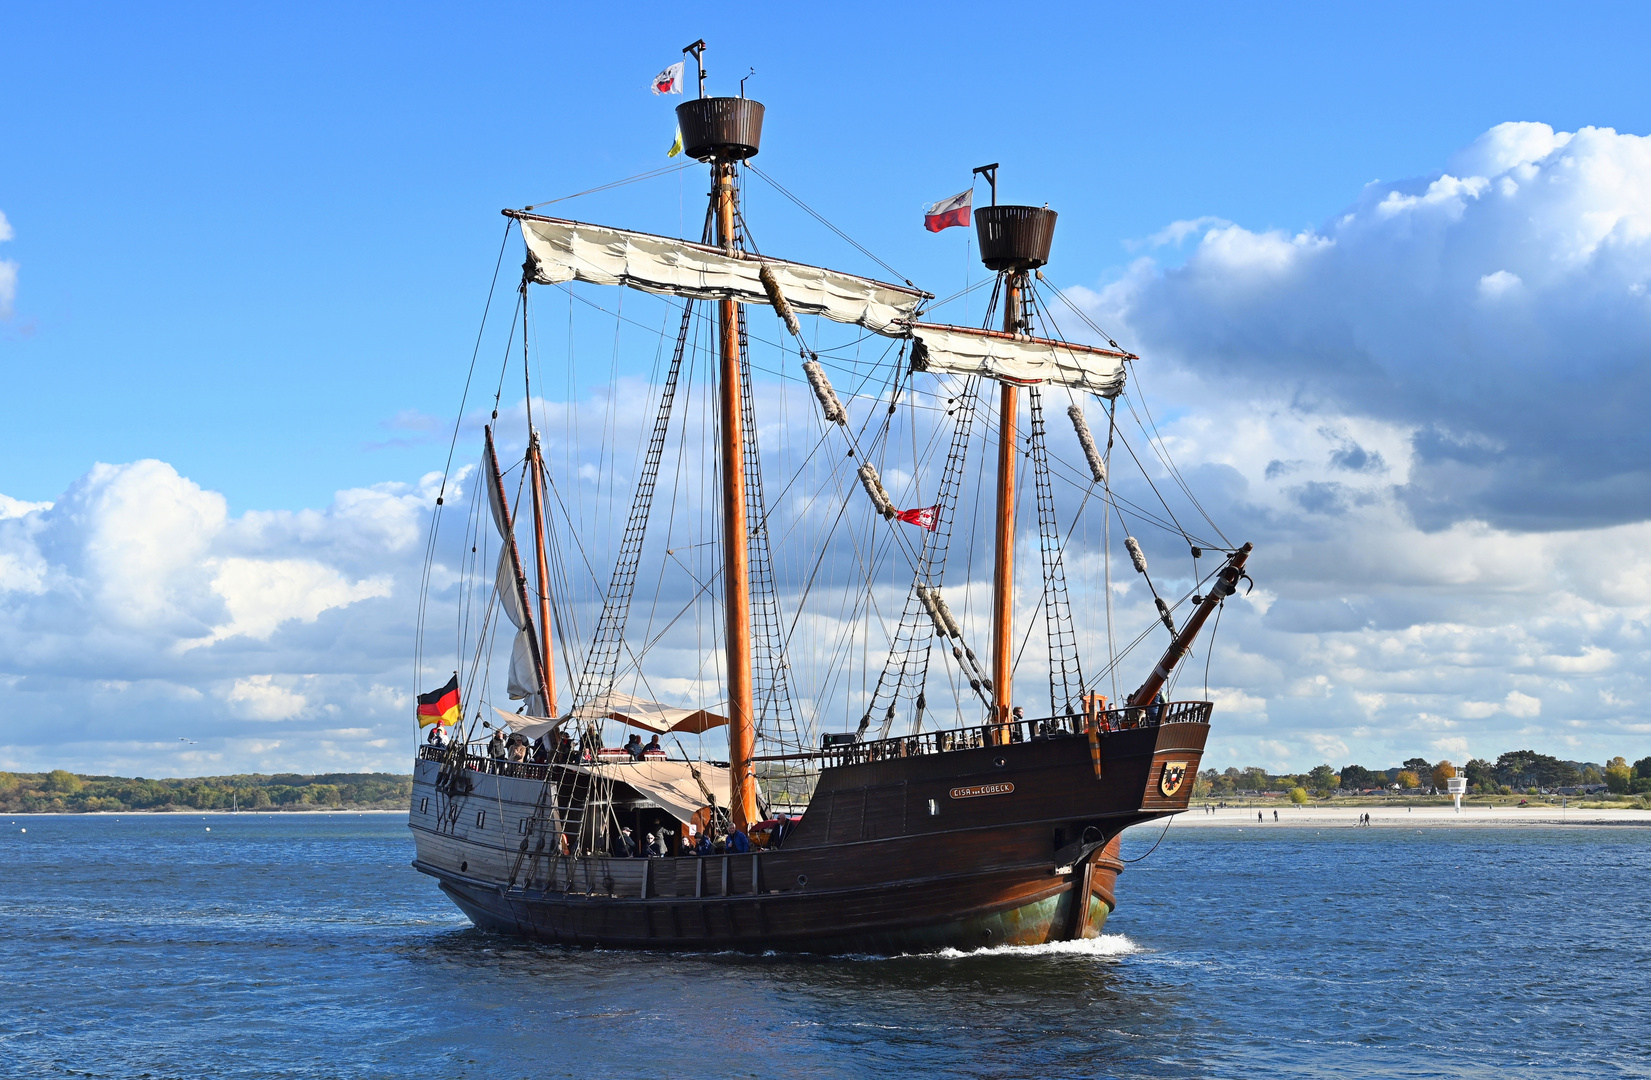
(958,350)
(523,680)
(510,598)
(573,251)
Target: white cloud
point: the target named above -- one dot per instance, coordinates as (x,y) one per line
(1372,401)
(261,594)
(1452,513)
(1495,286)
(259,697)
(1462,308)
(8,272)
(126,597)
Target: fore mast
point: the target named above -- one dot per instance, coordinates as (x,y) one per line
(725,131)
(1013,241)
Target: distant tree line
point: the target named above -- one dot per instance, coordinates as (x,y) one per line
(1514,772)
(60,791)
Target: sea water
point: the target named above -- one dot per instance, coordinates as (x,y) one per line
(259,945)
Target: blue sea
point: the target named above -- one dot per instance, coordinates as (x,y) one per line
(302,946)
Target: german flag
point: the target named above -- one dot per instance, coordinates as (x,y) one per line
(440,706)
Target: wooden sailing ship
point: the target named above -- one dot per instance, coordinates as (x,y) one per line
(1000,830)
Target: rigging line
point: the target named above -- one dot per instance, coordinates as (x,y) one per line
(504,368)
(1077,482)
(1079,312)
(1184,534)
(1169,462)
(1167,822)
(474,353)
(958,295)
(1152,628)
(818,217)
(1209,649)
(447,468)
(664,171)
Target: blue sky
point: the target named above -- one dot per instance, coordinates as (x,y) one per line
(252,236)
(252,245)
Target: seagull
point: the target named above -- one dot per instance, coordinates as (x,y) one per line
(191,742)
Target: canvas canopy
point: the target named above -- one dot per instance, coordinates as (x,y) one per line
(652,716)
(531,726)
(669,784)
(958,350)
(574,251)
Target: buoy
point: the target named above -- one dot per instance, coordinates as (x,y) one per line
(22,830)
(209,828)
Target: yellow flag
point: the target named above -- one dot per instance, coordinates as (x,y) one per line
(676,145)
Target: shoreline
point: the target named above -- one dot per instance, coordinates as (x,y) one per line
(1471,817)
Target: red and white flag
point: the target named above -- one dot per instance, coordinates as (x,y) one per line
(669,81)
(924,517)
(949,212)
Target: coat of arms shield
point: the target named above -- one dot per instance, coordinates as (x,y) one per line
(1174,775)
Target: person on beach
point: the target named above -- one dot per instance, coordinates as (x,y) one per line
(1259,820)
(1275,815)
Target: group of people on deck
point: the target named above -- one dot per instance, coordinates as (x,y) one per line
(552,747)
(661,843)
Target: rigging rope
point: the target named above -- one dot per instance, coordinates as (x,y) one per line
(1065,671)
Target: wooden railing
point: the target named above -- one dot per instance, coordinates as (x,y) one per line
(929,742)
(1016,731)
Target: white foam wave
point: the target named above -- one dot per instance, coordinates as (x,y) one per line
(1104,947)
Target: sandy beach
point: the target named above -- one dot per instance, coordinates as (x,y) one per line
(1422,816)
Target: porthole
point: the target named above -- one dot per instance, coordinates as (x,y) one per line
(481,819)
(522,826)
(802,879)
(463,866)
(934,807)
(1000,762)
(424,804)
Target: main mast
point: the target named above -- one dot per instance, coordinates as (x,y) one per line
(536,462)
(1013,241)
(725,131)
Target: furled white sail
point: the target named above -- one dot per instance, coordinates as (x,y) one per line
(958,350)
(495,502)
(510,598)
(573,251)
(523,680)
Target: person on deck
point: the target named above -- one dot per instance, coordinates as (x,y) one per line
(704,847)
(438,735)
(738,843)
(633,746)
(495,747)
(653,746)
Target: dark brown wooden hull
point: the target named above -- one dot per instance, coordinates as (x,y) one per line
(1012,844)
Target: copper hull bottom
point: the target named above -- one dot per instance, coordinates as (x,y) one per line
(755,924)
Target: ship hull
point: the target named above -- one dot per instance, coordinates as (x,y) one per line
(994,845)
